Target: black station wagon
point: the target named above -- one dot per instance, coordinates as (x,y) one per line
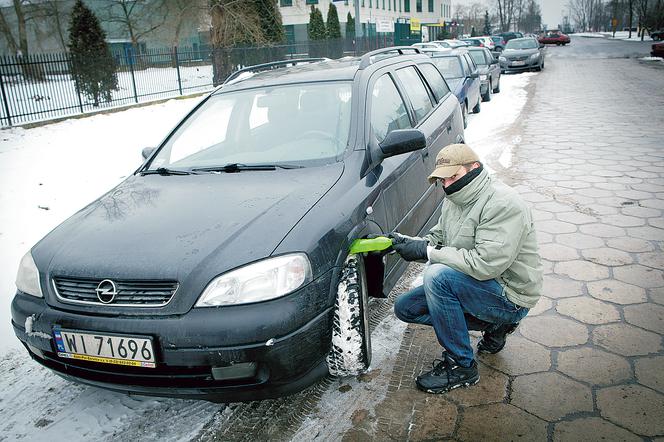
(220,269)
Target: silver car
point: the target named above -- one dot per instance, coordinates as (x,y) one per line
(521,54)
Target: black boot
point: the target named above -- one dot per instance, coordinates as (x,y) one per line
(447,375)
(494,338)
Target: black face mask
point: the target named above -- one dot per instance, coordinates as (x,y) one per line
(463,181)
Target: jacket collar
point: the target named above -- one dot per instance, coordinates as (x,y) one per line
(471,192)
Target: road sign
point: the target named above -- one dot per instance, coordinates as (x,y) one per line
(384,26)
(415,24)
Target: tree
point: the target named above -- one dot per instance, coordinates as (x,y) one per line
(531,18)
(350,27)
(20,47)
(317,33)
(333,27)
(138,17)
(487,23)
(270,21)
(92,65)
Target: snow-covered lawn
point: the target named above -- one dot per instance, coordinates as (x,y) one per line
(620,35)
(46,174)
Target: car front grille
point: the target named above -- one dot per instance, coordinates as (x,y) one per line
(129,293)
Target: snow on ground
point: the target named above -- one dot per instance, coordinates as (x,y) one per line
(48,173)
(620,35)
(652,59)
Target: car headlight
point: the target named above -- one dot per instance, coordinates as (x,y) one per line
(27,279)
(483,77)
(501,58)
(535,56)
(261,281)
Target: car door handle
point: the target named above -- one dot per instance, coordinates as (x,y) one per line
(449,128)
(425,152)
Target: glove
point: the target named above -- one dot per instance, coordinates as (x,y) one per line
(410,249)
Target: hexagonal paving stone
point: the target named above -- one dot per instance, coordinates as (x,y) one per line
(639,275)
(648,316)
(656,222)
(579,240)
(554,331)
(432,419)
(628,244)
(646,232)
(626,340)
(543,304)
(591,429)
(550,395)
(641,212)
(558,287)
(649,372)
(558,252)
(576,218)
(511,359)
(616,291)
(653,204)
(655,260)
(491,388)
(657,295)
(573,184)
(607,256)
(503,422)
(588,310)
(594,366)
(581,270)
(637,408)
(602,230)
(623,220)
(540,215)
(553,226)
(552,206)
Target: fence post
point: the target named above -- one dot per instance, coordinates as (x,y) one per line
(132,60)
(177,67)
(4,95)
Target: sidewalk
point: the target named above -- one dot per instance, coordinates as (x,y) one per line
(588,361)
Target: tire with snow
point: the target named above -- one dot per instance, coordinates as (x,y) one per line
(350,353)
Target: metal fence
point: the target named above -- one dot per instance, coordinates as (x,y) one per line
(42,87)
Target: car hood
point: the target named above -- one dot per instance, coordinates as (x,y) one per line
(511,53)
(178,227)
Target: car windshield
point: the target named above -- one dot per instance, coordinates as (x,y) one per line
(529,43)
(303,124)
(478,57)
(449,66)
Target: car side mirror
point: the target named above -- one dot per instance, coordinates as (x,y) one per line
(541,45)
(147,151)
(475,75)
(401,141)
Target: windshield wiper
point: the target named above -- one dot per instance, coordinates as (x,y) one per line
(238,167)
(165,171)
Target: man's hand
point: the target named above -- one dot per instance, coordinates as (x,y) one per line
(410,249)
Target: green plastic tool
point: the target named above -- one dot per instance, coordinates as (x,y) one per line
(370,245)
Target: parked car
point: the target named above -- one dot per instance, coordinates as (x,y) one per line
(489,70)
(428,46)
(522,54)
(451,43)
(220,268)
(499,43)
(657,35)
(462,75)
(657,50)
(482,42)
(507,36)
(554,37)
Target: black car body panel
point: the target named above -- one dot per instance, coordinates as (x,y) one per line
(188,229)
(488,67)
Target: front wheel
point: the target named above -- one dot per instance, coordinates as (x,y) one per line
(487,94)
(350,353)
(497,88)
(478,108)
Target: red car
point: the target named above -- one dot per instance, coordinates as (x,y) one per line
(554,37)
(657,50)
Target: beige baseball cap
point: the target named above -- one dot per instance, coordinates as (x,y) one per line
(450,159)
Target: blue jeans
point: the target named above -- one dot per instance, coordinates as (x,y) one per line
(442,301)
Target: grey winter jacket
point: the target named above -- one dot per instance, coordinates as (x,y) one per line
(486,231)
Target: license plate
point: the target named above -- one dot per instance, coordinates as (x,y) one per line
(518,63)
(89,346)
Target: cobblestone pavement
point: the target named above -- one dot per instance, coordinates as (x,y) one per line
(588,361)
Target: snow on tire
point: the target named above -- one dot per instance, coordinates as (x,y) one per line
(350,353)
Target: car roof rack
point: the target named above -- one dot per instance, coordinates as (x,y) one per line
(366,61)
(270,66)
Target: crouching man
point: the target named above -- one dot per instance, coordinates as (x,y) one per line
(484,274)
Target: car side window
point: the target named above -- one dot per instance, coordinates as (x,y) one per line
(416,90)
(388,110)
(464,64)
(435,80)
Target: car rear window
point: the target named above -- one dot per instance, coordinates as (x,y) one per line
(416,90)
(450,67)
(435,80)
(302,124)
(530,43)
(479,57)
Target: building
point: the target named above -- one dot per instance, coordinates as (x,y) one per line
(375,15)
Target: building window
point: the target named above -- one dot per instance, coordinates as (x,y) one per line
(406,6)
(389,5)
(399,5)
(383,5)
(394,5)
(418,5)
(312,2)
(286,2)
(430,5)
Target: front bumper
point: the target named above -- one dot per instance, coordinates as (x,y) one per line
(194,350)
(510,66)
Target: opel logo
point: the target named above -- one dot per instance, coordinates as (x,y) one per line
(106,291)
